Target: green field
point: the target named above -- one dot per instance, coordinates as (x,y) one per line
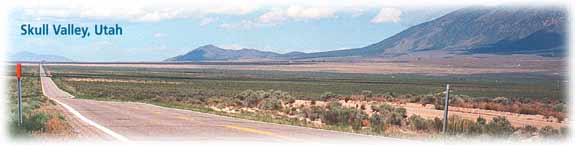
(185,84)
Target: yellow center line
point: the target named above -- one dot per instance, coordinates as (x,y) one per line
(184,118)
(242,129)
(256,131)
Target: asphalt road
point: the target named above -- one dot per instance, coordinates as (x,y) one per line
(138,122)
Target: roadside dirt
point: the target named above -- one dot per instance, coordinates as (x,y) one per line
(428,111)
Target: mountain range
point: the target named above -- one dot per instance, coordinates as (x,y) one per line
(473,30)
(28,56)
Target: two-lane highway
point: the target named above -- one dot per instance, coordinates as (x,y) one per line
(135,122)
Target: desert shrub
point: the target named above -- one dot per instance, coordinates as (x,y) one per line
(328,95)
(394,119)
(401,111)
(524,109)
(419,123)
(383,108)
(499,127)
(458,126)
(35,122)
(389,94)
(414,99)
(427,100)
(481,121)
(481,99)
(560,107)
(335,114)
(439,103)
(528,129)
(313,113)
(456,100)
(393,116)
(356,118)
(347,98)
(285,97)
(377,123)
(54,125)
(548,132)
(270,104)
(502,100)
(367,94)
(248,98)
(437,124)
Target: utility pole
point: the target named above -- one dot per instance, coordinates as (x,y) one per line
(19,76)
(446,109)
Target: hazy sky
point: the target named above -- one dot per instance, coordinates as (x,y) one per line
(154,34)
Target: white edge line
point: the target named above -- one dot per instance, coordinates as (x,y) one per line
(90,122)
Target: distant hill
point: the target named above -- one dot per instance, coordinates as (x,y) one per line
(487,30)
(211,52)
(472,30)
(28,56)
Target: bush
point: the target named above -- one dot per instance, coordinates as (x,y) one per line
(560,107)
(427,100)
(394,119)
(481,121)
(457,125)
(285,97)
(328,95)
(35,122)
(313,113)
(383,108)
(401,111)
(528,129)
(356,118)
(548,132)
(335,114)
(499,127)
(377,123)
(366,94)
(270,104)
(439,103)
(437,124)
(414,99)
(502,100)
(418,122)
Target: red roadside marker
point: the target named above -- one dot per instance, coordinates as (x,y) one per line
(18,71)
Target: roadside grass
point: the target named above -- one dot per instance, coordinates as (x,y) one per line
(41,118)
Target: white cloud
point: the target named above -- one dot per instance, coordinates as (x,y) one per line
(137,11)
(387,15)
(295,13)
(278,15)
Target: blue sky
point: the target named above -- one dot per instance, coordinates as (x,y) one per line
(155,34)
